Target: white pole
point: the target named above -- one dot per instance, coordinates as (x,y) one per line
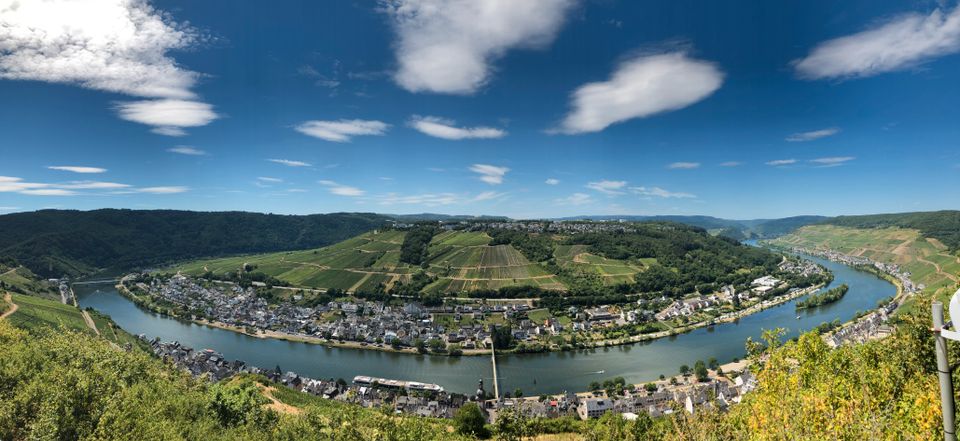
(946,380)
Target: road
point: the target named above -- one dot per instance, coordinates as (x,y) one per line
(13,306)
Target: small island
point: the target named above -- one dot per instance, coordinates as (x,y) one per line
(823,298)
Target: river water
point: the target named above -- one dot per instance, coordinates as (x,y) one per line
(533,373)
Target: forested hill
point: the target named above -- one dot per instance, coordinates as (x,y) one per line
(941,225)
(58,242)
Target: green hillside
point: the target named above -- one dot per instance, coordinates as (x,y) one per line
(57,242)
(460,262)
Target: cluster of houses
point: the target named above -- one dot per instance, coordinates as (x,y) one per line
(868,327)
(414,398)
(889,268)
(430,400)
(665,399)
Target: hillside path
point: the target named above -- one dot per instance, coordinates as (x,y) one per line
(13,306)
(89,321)
(939,269)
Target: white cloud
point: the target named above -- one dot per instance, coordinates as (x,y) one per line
(49,192)
(551,181)
(812,135)
(428,199)
(608,187)
(661,193)
(903,42)
(684,165)
(448,46)
(269,179)
(117,46)
(290,163)
(731,164)
(575,199)
(832,161)
(487,195)
(490,174)
(447,129)
(341,190)
(779,162)
(168,116)
(9,208)
(77,169)
(93,185)
(187,150)
(342,130)
(163,190)
(640,87)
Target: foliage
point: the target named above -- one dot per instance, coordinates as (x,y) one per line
(469,420)
(826,297)
(536,248)
(415,244)
(64,385)
(57,242)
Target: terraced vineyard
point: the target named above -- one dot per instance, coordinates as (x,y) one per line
(929,261)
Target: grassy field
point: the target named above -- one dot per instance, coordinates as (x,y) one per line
(613,271)
(929,261)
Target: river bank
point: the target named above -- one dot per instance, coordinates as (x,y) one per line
(149,303)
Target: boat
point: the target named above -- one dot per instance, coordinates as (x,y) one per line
(798,317)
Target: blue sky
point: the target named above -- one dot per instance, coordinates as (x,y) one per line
(527,109)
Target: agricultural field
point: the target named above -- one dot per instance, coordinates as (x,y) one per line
(613,271)
(20,279)
(461,261)
(929,261)
(34,313)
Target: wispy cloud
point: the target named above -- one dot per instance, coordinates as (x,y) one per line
(812,135)
(187,150)
(903,42)
(163,190)
(269,179)
(487,196)
(77,169)
(490,174)
(683,165)
(608,187)
(113,46)
(290,163)
(447,129)
(449,46)
(552,181)
(575,199)
(661,193)
(640,87)
(781,162)
(427,199)
(832,161)
(341,190)
(731,164)
(10,184)
(342,130)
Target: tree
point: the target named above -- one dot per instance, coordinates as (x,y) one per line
(684,370)
(469,420)
(713,363)
(700,370)
(420,345)
(517,393)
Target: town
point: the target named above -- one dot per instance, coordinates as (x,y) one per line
(461,325)
(686,392)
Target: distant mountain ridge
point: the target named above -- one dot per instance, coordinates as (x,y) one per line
(53,243)
(736,229)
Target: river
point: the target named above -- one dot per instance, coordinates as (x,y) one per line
(533,373)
